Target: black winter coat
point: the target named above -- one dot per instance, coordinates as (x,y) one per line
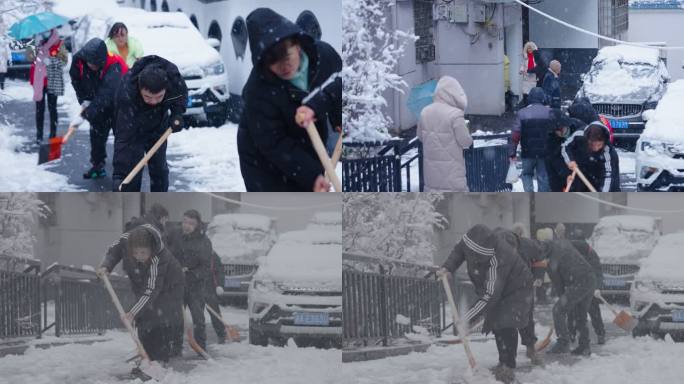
(98,87)
(552,88)
(503,283)
(533,125)
(567,269)
(275,153)
(591,257)
(158,284)
(193,251)
(602,169)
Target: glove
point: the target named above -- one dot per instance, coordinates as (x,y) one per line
(442,272)
(85,104)
(597,293)
(184,269)
(176,123)
(219,291)
(537,283)
(77,120)
(100,272)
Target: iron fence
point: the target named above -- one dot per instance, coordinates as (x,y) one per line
(487,166)
(20,314)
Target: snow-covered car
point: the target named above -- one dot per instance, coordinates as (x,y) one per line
(239,240)
(172,36)
(622,83)
(657,295)
(621,241)
(297,291)
(326,220)
(660,149)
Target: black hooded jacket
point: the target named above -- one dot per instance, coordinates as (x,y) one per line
(99,87)
(138,122)
(532,127)
(194,252)
(602,168)
(276,153)
(158,284)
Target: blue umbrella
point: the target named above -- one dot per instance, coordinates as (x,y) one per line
(35,24)
(420,97)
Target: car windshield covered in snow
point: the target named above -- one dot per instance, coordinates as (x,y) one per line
(625,238)
(625,74)
(241,238)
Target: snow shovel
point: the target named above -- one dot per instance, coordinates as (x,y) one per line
(323,156)
(231,332)
(584,180)
(53,149)
(622,319)
(457,321)
(152,369)
(187,323)
(572,179)
(541,345)
(146,158)
(337,153)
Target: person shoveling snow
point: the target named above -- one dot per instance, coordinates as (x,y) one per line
(503,284)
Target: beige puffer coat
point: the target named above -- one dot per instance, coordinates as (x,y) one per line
(444,134)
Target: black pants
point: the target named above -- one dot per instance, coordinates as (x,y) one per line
(127,156)
(177,340)
(212,302)
(2,80)
(40,114)
(194,299)
(157,342)
(527,335)
(98,143)
(507,345)
(577,301)
(594,315)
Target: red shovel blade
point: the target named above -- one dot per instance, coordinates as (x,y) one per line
(50,151)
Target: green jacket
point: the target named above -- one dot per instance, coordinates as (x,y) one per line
(135,50)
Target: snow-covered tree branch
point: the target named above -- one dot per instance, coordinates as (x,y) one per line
(19,213)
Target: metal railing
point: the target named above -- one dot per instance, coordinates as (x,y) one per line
(487,166)
(81,303)
(378,306)
(19,297)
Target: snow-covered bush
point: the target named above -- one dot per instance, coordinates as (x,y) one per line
(19,213)
(370,53)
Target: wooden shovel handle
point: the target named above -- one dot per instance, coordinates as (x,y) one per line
(615,312)
(70,132)
(323,156)
(461,331)
(337,153)
(129,326)
(231,330)
(572,178)
(146,158)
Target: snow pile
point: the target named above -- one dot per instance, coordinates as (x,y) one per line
(241,238)
(327,218)
(77,8)
(16,90)
(636,236)
(667,122)
(665,261)
(208,158)
(296,260)
(622,71)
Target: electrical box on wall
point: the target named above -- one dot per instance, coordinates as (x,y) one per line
(455,11)
(478,12)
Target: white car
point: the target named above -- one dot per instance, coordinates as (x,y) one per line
(297,291)
(172,36)
(660,150)
(621,241)
(622,83)
(239,240)
(326,220)
(657,296)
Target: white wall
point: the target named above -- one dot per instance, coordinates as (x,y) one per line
(672,222)
(669,29)
(549,34)
(553,207)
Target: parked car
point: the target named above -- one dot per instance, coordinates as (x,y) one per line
(297,291)
(622,83)
(326,220)
(239,240)
(660,149)
(657,296)
(621,241)
(172,36)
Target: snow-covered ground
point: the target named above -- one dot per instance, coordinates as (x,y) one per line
(622,360)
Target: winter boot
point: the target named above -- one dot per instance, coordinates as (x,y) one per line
(561,346)
(572,338)
(496,368)
(505,374)
(137,373)
(95,172)
(601,339)
(582,350)
(534,357)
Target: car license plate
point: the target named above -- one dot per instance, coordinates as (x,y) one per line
(614,283)
(232,283)
(678,315)
(311,318)
(619,124)
(189,101)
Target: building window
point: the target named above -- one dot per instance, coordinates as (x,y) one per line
(193,20)
(215,33)
(422,17)
(309,23)
(153,5)
(239,36)
(613,18)
(165,6)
